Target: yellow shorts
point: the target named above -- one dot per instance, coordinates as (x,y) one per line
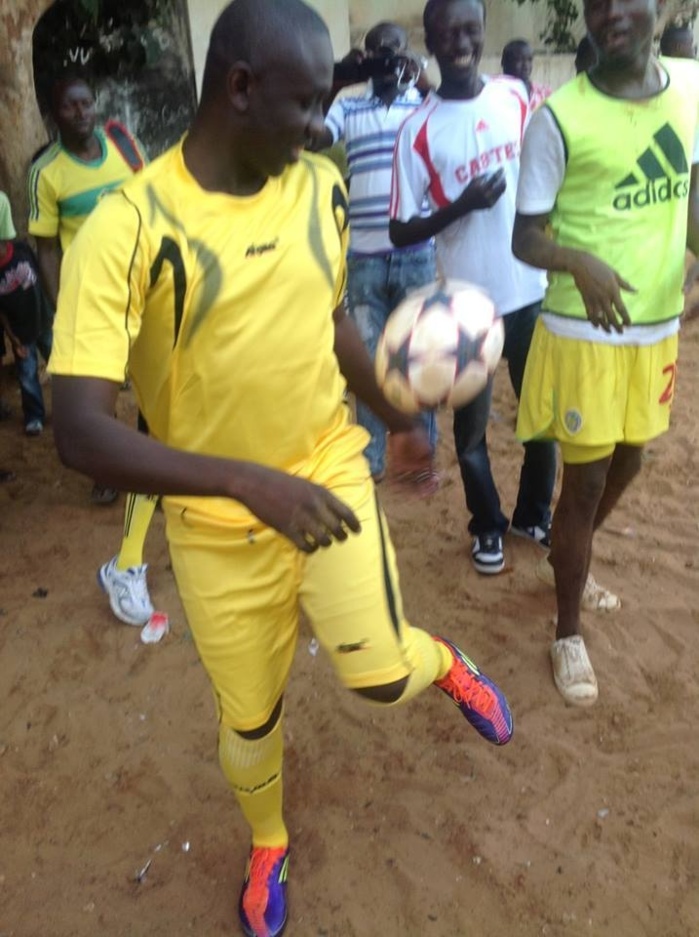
(242,595)
(591,396)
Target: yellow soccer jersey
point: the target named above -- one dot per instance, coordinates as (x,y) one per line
(222,308)
(63,190)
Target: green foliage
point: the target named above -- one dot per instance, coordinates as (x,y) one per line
(684,13)
(562,16)
(560,20)
(91,7)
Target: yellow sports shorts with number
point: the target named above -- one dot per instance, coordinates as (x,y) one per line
(242,593)
(590,395)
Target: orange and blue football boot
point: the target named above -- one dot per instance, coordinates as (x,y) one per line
(480,700)
(262,906)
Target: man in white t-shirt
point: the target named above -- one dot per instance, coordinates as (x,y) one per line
(461,150)
(379,275)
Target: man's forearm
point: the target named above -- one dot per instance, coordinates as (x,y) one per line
(49,272)
(417,230)
(99,446)
(693,213)
(533,246)
(693,226)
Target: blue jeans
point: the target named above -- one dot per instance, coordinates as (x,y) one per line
(538,475)
(27,371)
(376,284)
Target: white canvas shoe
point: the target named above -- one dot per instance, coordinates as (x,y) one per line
(595,598)
(572,671)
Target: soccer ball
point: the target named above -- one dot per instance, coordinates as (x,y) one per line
(439,347)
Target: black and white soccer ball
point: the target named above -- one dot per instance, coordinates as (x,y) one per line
(439,347)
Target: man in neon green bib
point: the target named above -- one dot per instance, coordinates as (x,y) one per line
(609,170)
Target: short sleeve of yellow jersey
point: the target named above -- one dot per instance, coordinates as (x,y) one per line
(43,205)
(102,294)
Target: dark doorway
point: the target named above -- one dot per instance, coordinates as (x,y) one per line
(135,53)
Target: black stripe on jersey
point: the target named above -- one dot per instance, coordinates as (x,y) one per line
(560,130)
(170,251)
(388,583)
(315,229)
(340,201)
(131,265)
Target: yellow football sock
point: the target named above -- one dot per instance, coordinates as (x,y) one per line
(253,768)
(137,517)
(429,659)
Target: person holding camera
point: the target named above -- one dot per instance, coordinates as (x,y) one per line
(379,274)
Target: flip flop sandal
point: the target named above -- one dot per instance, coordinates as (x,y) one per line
(595,598)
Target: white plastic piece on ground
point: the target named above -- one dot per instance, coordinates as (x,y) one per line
(155,628)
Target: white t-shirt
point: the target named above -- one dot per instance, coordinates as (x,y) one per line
(439,150)
(543,164)
(369,130)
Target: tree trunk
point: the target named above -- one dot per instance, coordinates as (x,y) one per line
(21,128)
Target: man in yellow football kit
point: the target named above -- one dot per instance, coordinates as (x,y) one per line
(609,170)
(218,274)
(65,185)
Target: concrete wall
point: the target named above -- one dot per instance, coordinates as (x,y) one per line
(505,20)
(203,14)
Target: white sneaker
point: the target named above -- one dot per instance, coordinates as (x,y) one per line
(127,591)
(572,671)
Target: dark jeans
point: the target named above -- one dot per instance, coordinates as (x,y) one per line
(538,473)
(27,371)
(376,284)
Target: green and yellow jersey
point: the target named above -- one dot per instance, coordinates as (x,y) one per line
(63,189)
(222,308)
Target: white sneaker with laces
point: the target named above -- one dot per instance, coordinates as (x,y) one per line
(487,554)
(539,535)
(572,671)
(127,591)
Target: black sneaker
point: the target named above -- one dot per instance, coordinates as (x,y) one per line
(487,554)
(540,534)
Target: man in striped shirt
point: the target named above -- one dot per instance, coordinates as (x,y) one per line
(379,275)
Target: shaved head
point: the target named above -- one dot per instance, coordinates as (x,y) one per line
(386,34)
(257,32)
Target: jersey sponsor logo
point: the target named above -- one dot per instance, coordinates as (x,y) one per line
(487,161)
(662,175)
(257,250)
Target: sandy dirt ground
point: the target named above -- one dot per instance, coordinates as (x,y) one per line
(403,822)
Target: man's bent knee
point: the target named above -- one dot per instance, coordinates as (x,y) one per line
(264,730)
(388,693)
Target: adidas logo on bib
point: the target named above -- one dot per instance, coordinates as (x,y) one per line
(663,174)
